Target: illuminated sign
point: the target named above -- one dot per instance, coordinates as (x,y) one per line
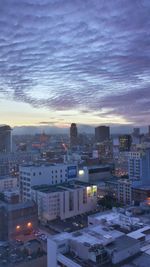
(72,172)
(94,190)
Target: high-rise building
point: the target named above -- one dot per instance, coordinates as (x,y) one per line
(149,130)
(5,138)
(139,167)
(125,142)
(73,134)
(136,131)
(102,133)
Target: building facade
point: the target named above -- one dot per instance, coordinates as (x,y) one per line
(5,138)
(141,194)
(16,219)
(124,192)
(9,162)
(102,133)
(64,201)
(8,183)
(139,167)
(125,142)
(95,173)
(37,174)
(119,190)
(73,135)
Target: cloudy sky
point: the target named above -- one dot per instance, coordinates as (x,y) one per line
(83,61)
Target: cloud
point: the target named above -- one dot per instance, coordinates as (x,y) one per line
(91,56)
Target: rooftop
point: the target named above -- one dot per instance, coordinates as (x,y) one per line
(140,232)
(98,166)
(45,164)
(91,235)
(23,205)
(4,127)
(45,188)
(142,187)
(122,243)
(114,217)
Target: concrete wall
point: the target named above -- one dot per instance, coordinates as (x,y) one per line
(51,253)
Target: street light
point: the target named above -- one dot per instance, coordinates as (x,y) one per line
(29,224)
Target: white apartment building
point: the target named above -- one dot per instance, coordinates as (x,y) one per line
(64,201)
(45,173)
(8,183)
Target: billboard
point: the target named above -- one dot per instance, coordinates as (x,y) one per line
(72,172)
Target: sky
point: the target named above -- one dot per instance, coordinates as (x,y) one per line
(83,61)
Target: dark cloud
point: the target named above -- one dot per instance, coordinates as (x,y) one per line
(87,55)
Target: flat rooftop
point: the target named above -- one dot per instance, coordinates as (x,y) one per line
(142,187)
(113,217)
(45,164)
(91,235)
(140,232)
(17,206)
(22,205)
(45,188)
(122,243)
(93,167)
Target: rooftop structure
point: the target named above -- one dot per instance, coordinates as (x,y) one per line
(92,246)
(111,218)
(96,173)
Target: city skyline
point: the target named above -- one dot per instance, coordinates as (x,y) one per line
(74,61)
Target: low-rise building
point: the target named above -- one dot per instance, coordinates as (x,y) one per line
(141,194)
(17,219)
(9,162)
(64,200)
(113,218)
(92,246)
(95,174)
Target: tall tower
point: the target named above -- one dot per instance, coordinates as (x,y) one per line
(73,135)
(149,130)
(102,133)
(5,138)
(136,131)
